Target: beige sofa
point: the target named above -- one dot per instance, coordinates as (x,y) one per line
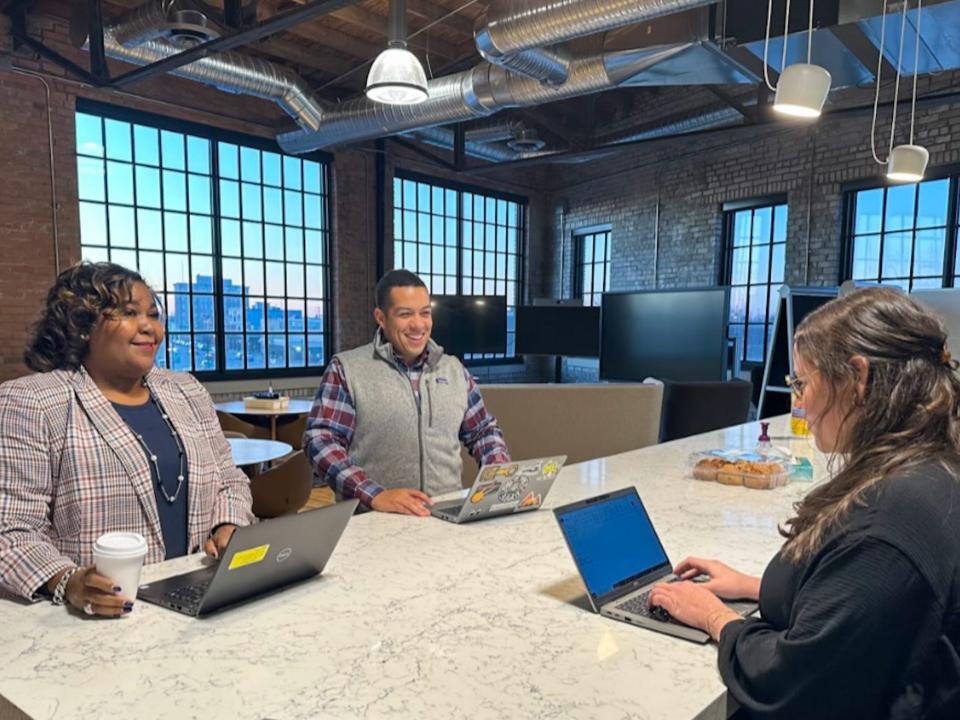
(581,421)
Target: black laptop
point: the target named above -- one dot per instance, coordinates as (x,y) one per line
(260,558)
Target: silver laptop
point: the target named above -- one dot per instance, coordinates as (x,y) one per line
(620,558)
(260,558)
(503,489)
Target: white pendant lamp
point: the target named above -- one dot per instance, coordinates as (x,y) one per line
(396,76)
(803,87)
(905,163)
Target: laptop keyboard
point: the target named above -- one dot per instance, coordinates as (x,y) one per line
(637,605)
(188,596)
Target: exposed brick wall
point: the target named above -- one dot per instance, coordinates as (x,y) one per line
(688,180)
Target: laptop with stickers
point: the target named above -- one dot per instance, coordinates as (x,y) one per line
(503,489)
(259,559)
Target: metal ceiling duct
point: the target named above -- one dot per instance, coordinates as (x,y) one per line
(469,95)
(490,150)
(517,34)
(232,72)
(180,21)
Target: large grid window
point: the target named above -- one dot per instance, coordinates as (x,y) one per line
(592,267)
(232,236)
(460,241)
(904,235)
(755,242)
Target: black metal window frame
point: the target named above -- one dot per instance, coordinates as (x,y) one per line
(743,282)
(586,242)
(216,139)
(951,227)
(447,258)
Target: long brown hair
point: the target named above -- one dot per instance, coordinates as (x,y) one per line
(910,411)
(74,305)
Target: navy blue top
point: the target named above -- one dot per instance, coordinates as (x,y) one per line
(147,421)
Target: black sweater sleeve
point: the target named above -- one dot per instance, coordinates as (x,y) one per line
(854,620)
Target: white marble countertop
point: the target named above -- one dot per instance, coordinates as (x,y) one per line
(416,618)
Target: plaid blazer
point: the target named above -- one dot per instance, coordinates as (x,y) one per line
(71,469)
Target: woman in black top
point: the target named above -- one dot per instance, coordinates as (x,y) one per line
(860,609)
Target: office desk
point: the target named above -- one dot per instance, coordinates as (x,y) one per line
(415,618)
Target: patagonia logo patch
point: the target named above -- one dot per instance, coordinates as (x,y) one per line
(442,381)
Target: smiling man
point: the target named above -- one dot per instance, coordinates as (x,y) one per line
(389,417)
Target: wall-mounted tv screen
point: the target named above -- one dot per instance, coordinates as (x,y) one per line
(670,334)
(465,324)
(558,330)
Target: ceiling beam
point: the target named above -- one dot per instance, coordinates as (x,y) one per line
(289,20)
(733,102)
(857,42)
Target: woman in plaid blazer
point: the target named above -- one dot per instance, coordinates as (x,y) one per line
(71,468)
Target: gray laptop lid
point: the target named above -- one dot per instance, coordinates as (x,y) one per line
(511,487)
(268,555)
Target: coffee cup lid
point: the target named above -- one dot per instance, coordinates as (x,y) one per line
(120,544)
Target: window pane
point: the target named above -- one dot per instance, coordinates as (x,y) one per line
(205,352)
(201,235)
(90,179)
(235,354)
(122,226)
(276,315)
(900,203)
(146,145)
(866,258)
(174,190)
(928,254)
(896,254)
(120,183)
(119,146)
(175,231)
(89,135)
(250,164)
(200,194)
(172,152)
(148,187)
(932,203)
(869,215)
(150,229)
(198,155)
(256,355)
(227,158)
(93,224)
(271,169)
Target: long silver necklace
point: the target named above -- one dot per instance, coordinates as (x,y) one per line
(152,456)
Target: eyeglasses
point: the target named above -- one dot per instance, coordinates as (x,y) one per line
(797,384)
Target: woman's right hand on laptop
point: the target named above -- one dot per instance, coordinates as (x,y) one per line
(724,582)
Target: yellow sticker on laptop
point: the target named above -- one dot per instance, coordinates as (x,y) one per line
(250,556)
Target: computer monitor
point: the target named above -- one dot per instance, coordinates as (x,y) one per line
(670,334)
(558,330)
(465,324)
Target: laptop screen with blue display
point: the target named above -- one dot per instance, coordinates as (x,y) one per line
(612,541)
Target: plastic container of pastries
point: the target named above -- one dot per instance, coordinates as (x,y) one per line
(739,468)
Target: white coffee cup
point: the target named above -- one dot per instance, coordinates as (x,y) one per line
(119,557)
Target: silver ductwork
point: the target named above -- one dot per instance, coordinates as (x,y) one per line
(443,137)
(232,72)
(472,94)
(517,35)
(179,21)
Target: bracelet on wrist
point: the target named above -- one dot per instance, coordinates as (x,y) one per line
(60,591)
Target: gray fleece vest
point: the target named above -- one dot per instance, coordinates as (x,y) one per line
(398,441)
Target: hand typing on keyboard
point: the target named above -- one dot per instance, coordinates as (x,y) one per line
(691,604)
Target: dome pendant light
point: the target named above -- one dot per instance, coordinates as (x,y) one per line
(803,87)
(396,76)
(905,163)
